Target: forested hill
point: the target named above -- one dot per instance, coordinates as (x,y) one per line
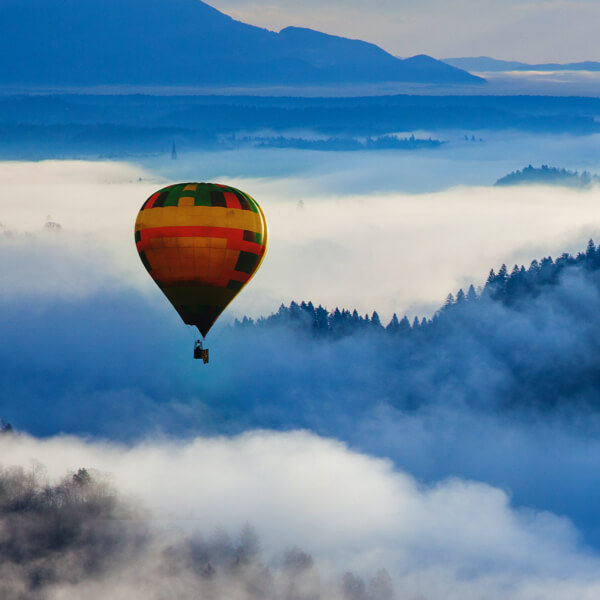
(514,289)
(546,175)
(530,337)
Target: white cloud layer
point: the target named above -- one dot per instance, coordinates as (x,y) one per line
(353,244)
(390,251)
(455,539)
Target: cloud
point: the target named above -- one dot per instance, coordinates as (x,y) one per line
(457,405)
(91,347)
(350,511)
(393,251)
(94,203)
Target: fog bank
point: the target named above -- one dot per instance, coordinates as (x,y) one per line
(406,250)
(349,511)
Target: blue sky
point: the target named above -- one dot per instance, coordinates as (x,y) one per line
(528,30)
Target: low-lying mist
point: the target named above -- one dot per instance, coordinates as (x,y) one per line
(266,515)
(80,537)
(394,252)
(506,394)
(467,158)
(463,462)
(503,394)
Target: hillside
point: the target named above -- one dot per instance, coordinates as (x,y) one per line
(185,42)
(538,323)
(546,175)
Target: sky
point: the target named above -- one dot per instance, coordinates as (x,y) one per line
(531,31)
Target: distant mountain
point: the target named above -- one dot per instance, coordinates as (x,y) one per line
(548,176)
(485,63)
(185,42)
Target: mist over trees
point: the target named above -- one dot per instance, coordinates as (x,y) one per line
(527,338)
(94,125)
(501,385)
(512,289)
(80,538)
(478,333)
(549,176)
(386,142)
(61,533)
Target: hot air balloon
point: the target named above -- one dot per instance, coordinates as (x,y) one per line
(201,243)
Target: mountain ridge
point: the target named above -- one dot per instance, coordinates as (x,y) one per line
(183,42)
(486,63)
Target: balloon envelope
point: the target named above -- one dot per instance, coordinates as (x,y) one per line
(201,243)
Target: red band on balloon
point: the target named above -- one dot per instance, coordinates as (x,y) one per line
(234,237)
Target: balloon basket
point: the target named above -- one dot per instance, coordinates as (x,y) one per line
(200,352)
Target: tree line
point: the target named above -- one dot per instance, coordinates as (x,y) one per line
(506,287)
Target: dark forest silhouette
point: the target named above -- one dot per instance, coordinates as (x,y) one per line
(61,125)
(527,338)
(549,176)
(507,288)
(81,530)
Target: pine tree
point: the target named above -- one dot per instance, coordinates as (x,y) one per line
(591,249)
(449,302)
(321,323)
(393,325)
(404,325)
(381,586)
(502,274)
(249,542)
(354,587)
